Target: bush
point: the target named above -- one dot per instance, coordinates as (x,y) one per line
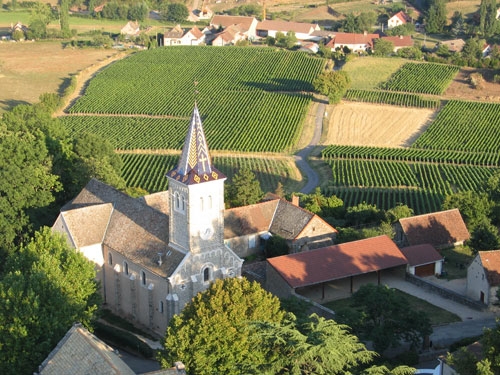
(476,80)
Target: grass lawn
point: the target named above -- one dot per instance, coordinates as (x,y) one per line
(436,314)
(456,261)
(368,72)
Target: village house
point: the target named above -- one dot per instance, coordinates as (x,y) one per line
(131,29)
(309,47)
(402,41)
(303,31)
(440,229)
(455,45)
(154,254)
(179,37)
(229,36)
(400,18)
(247,228)
(483,277)
(244,25)
(354,42)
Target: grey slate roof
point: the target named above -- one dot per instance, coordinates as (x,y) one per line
(80,352)
(289,220)
(136,230)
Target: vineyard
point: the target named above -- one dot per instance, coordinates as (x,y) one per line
(428,78)
(257,102)
(459,151)
(148,170)
(392,98)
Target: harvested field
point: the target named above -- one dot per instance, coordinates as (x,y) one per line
(360,124)
(461,88)
(29,69)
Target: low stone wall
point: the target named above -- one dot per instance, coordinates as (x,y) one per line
(445,293)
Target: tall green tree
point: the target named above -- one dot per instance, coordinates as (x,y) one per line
(488,23)
(365,21)
(474,207)
(212,334)
(383,47)
(436,17)
(177,12)
(41,16)
(64,18)
(45,288)
(244,189)
(333,84)
(27,183)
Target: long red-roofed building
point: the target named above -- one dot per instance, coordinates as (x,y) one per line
(286,273)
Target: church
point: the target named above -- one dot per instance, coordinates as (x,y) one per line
(154,254)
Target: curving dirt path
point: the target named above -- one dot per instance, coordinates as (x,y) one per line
(83,78)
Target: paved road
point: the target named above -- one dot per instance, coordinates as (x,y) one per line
(302,155)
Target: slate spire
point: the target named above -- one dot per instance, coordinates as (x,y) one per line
(195,165)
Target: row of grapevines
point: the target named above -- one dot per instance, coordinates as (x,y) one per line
(392,98)
(257,122)
(148,170)
(420,201)
(464,126)
(411,155)
(425,78)
(161,81)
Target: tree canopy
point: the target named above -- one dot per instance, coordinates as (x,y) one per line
(380,315)
(212,333)
(45,288)
(333,84)
(244,189)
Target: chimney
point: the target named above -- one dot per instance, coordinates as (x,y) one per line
(365,33)
(295,200)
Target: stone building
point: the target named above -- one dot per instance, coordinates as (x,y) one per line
(154,254)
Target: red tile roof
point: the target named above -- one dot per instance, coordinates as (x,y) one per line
(421,254)
(402,16)
(338,261)
(351,38)
(491,264)
(400,41)
(440,229)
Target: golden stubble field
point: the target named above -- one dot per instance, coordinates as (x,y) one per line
(29,69)
(360,124)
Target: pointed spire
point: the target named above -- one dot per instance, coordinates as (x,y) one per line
(195,154)
(195,165)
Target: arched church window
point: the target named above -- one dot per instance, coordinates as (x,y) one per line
(143,277)
(110,259)
(202,204)
(176,200)
(209,202)
(206,275)
(183,202)
(125,268)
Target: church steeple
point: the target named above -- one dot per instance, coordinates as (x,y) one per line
(195,165)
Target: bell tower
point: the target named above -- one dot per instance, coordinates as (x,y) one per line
(196,195)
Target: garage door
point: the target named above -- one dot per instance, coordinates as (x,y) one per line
(427,270)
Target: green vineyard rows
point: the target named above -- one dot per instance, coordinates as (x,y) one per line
(392,98)
(148,170)
(161,81)
(424,78)
(412,155)
(464,126)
